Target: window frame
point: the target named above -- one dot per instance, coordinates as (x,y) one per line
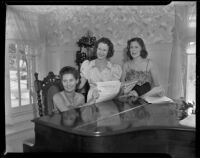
(21,112)
(188,54)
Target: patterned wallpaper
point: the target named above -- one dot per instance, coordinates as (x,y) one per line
(120,23)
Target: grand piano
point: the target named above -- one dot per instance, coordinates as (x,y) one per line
(140,128)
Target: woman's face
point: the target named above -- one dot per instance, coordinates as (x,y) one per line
(69,82)
(135,49)
(102,51)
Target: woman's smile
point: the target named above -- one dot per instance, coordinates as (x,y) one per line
(102,50)
(135,49)
(69,82)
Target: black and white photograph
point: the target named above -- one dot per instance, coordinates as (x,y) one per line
(101,78)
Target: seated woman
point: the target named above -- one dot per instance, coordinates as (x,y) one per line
(139,73)
(68,98)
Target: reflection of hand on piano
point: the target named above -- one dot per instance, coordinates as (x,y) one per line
(89,113)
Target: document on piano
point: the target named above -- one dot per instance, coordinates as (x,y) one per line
(157,99)
(189,121)
(108,90)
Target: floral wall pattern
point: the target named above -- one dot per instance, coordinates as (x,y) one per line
(120,23)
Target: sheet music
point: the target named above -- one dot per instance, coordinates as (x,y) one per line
(108,90)
(162,99)
(189,121)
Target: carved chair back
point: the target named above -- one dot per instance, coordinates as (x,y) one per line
(45,90)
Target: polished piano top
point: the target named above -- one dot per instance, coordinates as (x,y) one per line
(115,117)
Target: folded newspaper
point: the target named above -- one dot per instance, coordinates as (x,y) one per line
(107,90)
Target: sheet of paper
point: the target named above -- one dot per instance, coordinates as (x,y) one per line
(189,121)
(108,90)
(157,99)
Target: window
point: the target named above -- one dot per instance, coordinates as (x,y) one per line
(19,70)
(191,73)
(191,56)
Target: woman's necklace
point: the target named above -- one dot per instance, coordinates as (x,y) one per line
(70,98)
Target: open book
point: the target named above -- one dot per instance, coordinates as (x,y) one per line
(108,90)
(157,99)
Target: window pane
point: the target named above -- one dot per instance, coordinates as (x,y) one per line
(191,79)
(13,76)
(24,79)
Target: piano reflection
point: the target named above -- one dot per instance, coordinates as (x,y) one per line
(119,125)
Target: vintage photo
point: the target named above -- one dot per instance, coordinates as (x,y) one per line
(101,78)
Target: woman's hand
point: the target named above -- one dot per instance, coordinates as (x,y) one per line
(128,88)
(95,93)
(133,93)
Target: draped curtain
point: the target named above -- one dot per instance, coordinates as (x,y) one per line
(177,69)
(22,28)
(25,26)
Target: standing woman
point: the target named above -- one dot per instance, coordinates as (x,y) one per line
(141,70)
(99,69)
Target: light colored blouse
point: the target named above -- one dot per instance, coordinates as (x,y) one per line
(90,71)
(62,102)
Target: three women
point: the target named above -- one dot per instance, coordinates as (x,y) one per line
(139,70)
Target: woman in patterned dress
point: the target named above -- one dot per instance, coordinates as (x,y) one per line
(140,70)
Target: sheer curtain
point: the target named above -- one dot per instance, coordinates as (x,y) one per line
(177,69)
(25,25)
(21,27)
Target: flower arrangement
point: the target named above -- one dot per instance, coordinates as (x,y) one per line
(87,41)
(86,44)
(184,108)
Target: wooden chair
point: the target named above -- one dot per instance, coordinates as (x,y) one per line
(45,90)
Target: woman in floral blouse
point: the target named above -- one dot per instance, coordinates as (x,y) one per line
(140,71)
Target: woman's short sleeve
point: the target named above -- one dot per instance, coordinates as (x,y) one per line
(84,70)
(116,71)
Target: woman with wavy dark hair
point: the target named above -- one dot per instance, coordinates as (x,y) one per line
(100,69)
(139,73)
(68,98)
